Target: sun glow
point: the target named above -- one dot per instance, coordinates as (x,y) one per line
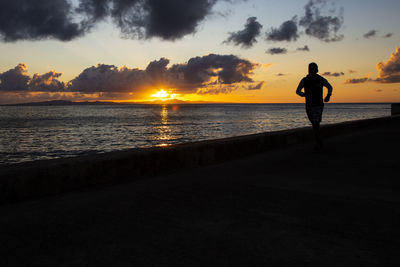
(161,94)
(164,95)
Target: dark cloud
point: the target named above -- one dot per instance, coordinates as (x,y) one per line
(212,69)
(217,90)
(325,28)
(246,37)
(276,51)
(389,72)
(305,48)
(280,74)
(257,86)
(358,80)
(352,71)
(333,74)
(39,19)
(168,20)
(286,32)
(157,70)
(374,33)
(109,78)
(94,10)
(371,33)
(57,19)
(378,90)
(15,79)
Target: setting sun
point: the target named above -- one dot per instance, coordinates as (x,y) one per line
(161,94)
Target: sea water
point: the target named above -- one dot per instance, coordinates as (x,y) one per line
(30,133)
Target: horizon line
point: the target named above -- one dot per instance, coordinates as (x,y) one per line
(105,102)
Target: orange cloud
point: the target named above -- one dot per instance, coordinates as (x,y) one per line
(389,72)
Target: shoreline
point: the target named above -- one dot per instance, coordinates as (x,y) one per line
(48,177)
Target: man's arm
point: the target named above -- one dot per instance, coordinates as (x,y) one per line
(301,86)
(329,87)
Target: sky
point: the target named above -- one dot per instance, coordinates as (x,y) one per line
(253,51)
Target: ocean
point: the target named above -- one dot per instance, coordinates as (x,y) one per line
(31,133)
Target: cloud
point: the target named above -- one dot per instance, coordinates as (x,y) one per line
(325,28)
(378,90)
(109,78)
(157,71)
(258,86)
(358,80)
(276,51)
(374,33)
(280,74)
(266,66)
(96,10)
(206,71)
(352,71)
(247,37)
(286,32)
(143,19)
(35,20)
(216,91)
(169,20)
(389,72)
(333,74)
(46,82)
(371,33)
(15,79)
(305,48)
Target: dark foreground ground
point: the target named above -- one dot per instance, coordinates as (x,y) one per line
(289,207)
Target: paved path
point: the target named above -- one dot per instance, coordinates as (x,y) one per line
(289,207)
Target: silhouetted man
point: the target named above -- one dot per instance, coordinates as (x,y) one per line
(313,92)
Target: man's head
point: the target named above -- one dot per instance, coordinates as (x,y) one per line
(312,68)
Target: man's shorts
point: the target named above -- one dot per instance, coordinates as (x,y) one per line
(314,114)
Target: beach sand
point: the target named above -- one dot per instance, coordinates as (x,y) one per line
(285,207)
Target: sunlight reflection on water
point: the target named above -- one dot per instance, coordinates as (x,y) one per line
(45,132)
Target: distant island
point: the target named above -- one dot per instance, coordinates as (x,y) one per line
(61,103)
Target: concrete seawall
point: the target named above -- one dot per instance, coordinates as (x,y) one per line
(395,109)
(48,177)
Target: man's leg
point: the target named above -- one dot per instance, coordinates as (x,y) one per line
(315,116)
(317,133)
